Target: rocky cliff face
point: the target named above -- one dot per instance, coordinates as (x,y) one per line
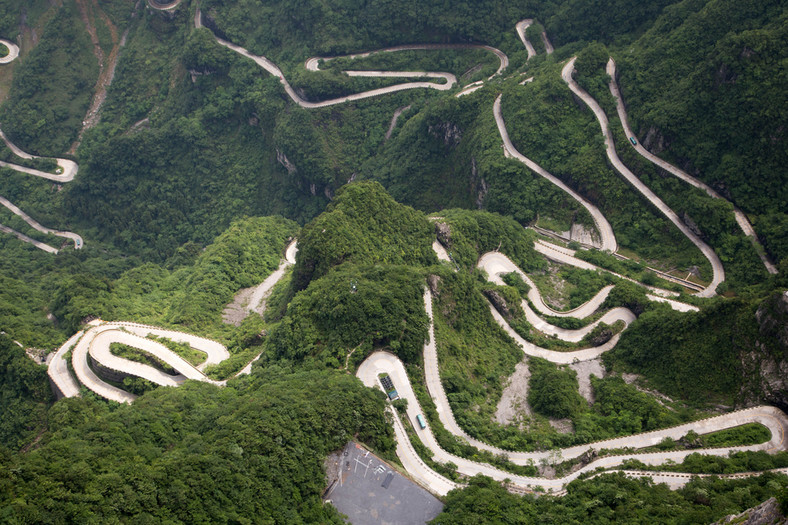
(767,513)
(766,362)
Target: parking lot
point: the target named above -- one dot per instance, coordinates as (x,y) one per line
(369,492)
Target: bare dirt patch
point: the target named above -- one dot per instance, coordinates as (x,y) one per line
(513,405)
(235,312)
(584,371)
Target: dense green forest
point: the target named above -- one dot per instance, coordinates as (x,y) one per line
(198,170)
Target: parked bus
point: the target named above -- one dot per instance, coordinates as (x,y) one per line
(421,422)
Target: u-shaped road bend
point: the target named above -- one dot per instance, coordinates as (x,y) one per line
(313,63)
(610,148)
(495,264)
(608,238)
(521,26)
(69,168)
(163,6)
(13,51)
(741,218)
(78,243)
(385,363)
(95,343)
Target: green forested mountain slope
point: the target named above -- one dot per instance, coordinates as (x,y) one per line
(706,84)
(197,144)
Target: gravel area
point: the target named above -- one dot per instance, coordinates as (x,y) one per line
(514,400)
(584,371)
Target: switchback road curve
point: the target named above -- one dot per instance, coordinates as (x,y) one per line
(312,64)
(608,238)
(610,148)
(741,218)
(90,349)
(13,51)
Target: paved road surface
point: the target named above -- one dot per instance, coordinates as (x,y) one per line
(69,167)
(263,290)
(312,63)
(13,51)
(22,237)
(69,170)
(96,342)
(714,260)
(496,264)
(608,238)
(58,368)
(384,363)
(741,218)
(78,243)
(521,26)
(163,6)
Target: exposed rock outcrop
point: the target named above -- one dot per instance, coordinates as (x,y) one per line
(443,232)
(765,361)
(499,303)
(449,133)
(282,159)
(767,513)
(654,141)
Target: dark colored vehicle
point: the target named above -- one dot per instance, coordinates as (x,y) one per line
(633,141)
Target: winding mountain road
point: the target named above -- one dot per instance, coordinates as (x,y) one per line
(741,218)
(714,260)
(312,64)
(68,170)
(78,243)
(93,345)
(520,27)
(495,264)
(13,51)
(608,238)
(163,6)
(385,363)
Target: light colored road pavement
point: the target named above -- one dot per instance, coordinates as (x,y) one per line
(100,352)
(677,480)
(96,342)
(263,290)
(741,218)
(382,362)
(69,170)
(22,237)
(385,363)
(78,243)
(312,63)
(496,263)
(162,5)
(714,260)
(215,352)
(58,368)
(567,256)
(440,251)
(521,26)
(13,51)
(608,238)
(69,167)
